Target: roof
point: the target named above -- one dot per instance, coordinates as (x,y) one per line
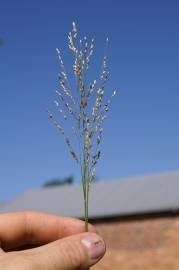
(127,196)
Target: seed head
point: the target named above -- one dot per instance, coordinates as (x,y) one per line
(87,108)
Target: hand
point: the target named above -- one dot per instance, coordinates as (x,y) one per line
(39,241)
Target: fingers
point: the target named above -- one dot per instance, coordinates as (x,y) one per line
(36,228)
(74,252)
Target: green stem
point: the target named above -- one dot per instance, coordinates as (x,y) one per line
(85,192)
(86,207)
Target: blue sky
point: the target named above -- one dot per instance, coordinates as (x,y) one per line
(142,131)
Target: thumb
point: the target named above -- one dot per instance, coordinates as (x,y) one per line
(74,252)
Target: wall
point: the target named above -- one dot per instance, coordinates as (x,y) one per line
(140,243)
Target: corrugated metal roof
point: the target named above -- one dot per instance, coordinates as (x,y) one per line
(128,196)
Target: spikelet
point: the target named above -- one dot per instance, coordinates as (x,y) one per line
(71,44)
(89,54)
(71,150)
(74,30)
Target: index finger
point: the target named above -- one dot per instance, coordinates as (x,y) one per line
(36,228)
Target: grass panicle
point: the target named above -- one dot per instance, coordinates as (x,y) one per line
(75,107)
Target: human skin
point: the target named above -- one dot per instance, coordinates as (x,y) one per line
(39,241)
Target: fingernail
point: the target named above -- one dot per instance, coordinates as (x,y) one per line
(95,245)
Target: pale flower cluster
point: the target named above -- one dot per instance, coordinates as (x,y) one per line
(75,105)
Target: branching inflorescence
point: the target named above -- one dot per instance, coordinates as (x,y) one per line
(76,107)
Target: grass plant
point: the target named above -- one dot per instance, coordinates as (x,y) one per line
(83,108)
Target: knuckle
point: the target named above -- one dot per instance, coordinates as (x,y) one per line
(74,254)
(30,262)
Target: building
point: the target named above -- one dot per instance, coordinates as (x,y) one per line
(138,217)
